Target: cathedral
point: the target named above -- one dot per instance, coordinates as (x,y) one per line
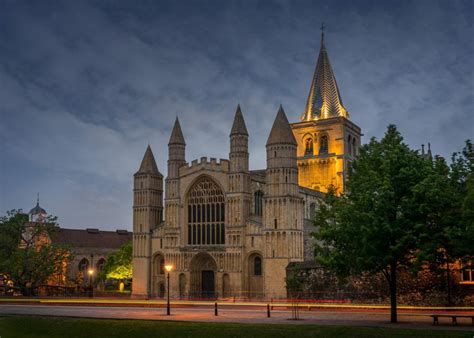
(229,231)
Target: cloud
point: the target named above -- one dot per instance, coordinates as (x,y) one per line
(85,86)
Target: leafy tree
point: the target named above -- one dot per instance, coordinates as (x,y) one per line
(26,254)
(462,177)
(118,266)
(376,226)
(443,197)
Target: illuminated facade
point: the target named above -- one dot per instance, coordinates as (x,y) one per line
(327,140)
(229,231)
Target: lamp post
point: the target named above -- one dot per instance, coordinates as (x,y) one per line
(90,283)
(168,268)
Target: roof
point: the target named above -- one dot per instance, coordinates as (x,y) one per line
(148,165)
(258,175)
(37,210)
(305,265)
(91,238)
(324,99)
(281,132)
(310,191)
(177,134)
(239,127)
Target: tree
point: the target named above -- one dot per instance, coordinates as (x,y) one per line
(444,197)
(375,226)
(118,266)
(27,255)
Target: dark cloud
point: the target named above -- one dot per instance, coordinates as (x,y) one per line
(84,86)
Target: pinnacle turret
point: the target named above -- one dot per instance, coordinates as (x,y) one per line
(324,100)
(281,132)
(148,165)
(239,127)
(177,135)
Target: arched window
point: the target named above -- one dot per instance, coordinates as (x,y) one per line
(100,264)
(206,213)
(257,266)
(158,265)
(83,265)
(258,203)
(349,144)
(162,266)
(323,145)
(308,146)
(354,148)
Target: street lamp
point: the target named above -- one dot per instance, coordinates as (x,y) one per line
(168,268)
(90,272)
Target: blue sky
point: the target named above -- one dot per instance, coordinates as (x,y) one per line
(86,85)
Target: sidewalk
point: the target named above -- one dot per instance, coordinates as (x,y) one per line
(304,306)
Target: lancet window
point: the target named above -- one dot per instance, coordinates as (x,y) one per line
(308,146)
(323,145)
(206,213)
(258,197)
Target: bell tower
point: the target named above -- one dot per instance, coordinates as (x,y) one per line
(283,207)
(147,215)
(327,140)
(238,197)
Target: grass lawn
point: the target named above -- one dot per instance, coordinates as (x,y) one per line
(61,327)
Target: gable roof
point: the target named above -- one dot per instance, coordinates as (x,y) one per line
(91,238)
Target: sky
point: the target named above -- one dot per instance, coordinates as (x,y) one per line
(86,85)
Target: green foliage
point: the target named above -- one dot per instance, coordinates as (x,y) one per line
(376,222)
(26,254)
(400,210)
(118,265)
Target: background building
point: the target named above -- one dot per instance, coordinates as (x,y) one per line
(89,249)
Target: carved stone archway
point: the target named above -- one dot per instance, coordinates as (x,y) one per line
(203,269)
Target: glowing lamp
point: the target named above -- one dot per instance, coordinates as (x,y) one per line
(168,267)
(90,272)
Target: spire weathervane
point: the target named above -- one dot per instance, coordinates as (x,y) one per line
(37,198)
(322,32)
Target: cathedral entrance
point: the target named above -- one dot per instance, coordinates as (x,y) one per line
(203,271)
(207,278)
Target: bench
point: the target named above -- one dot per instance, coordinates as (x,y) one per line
(453,317)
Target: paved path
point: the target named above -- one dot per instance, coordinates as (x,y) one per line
(238,315)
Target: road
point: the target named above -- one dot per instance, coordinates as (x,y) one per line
(231,314)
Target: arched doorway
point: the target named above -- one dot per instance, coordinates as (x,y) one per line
(255,276)
(158,268)
(203,272)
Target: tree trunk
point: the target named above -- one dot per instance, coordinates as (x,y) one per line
(393,292)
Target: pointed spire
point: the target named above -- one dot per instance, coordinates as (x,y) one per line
(148,165)
(177,135)
(239,127)
(38,199)
(324,99)
(281,132)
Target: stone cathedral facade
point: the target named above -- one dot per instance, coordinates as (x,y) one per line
(229,231)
